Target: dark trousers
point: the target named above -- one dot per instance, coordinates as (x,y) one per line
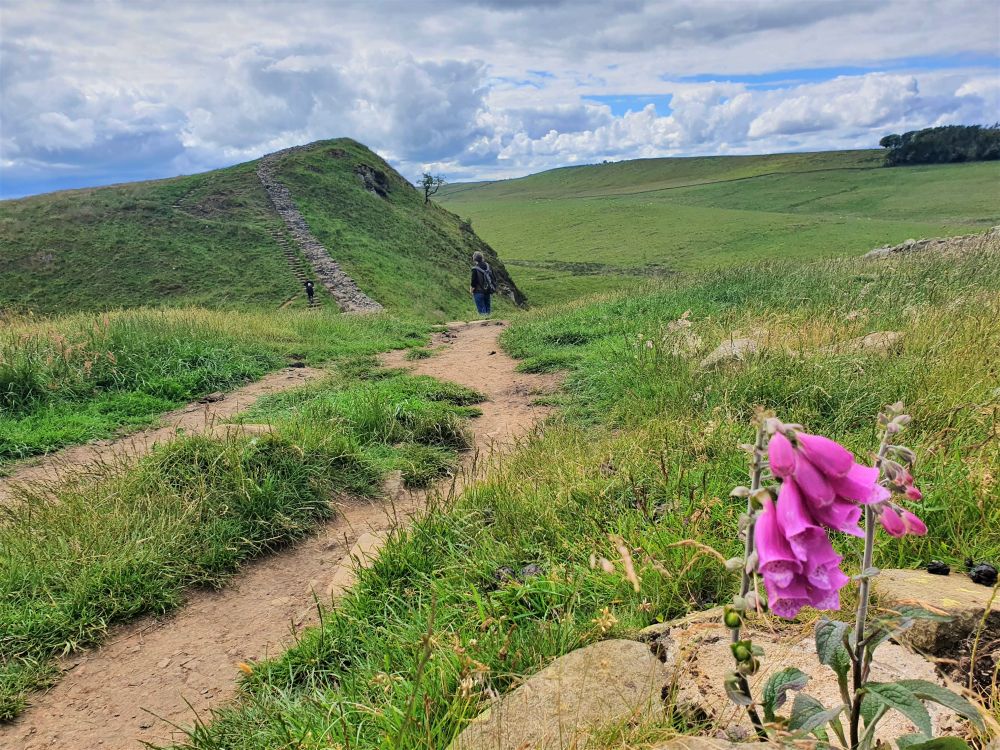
(482,300)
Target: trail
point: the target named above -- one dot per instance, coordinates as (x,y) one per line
(136,686)
(195,418)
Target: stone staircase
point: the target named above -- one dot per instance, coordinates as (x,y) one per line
(345,291)
(300,269)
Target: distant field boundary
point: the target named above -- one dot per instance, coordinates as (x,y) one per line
(685,185)
(594,269)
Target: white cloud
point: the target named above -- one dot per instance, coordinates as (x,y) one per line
(117,90)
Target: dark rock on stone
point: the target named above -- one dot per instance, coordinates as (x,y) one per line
(983,574)
(504,574)
(938,568)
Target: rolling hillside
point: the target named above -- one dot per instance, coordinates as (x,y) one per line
(592,227)
(216,240)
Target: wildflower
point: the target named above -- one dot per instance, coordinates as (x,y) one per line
(899,522)
(649,344)
(605,621)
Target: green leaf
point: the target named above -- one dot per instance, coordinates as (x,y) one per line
(908,740)
(830,646)
(928,691)
(896,696)
(808,714)
(777,687)
(941,743)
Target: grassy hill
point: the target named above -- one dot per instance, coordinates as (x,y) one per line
(208,240)
(592,227)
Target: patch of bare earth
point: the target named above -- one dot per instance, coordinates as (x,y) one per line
(139,684)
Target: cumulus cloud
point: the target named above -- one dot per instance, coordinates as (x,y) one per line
(474,88)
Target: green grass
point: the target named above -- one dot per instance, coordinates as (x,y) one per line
(69,380)
(88,554)
(660,216)
(206,240)
(647,449)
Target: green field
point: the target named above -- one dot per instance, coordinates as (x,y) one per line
(661,216)
(206,240)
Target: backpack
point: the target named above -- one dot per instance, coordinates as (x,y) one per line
(489,286)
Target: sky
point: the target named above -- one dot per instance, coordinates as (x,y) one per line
(95,92)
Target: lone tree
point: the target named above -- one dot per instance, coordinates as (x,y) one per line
(431,184)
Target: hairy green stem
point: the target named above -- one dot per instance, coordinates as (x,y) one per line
(756,471)
(864,593)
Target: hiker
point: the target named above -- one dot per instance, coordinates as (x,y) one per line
(310,291)
(482,283)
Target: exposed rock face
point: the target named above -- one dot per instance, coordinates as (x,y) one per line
(733,350)
(557,709)
(375,181)
(939,244)
(698,655)
(965,602)
(347,293)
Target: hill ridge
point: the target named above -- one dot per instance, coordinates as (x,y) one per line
(342,287)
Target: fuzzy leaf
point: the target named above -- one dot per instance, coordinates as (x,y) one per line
(896,696)
(941,743)
(777,687)
(830,646)
(928,691)
(808,714)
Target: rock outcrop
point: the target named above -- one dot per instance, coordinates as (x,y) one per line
(939,244)
(345,291)
(973,620)
(558,708)
(698,656)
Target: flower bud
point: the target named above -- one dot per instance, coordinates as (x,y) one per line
(741,651)
(752,601)
(739,603)
(912,493)
(732,618)
(734,564)
(748,667)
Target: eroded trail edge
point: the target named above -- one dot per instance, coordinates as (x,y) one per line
(139,684)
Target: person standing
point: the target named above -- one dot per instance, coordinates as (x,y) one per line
(310,291)
(482,285)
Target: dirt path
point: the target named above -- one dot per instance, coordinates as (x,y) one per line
(192,419)
(139,684)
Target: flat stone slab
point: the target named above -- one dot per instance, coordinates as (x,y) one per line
(956,594)
(698,655)
(558,708)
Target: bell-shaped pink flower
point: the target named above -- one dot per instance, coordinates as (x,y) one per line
(813,483)
(781,455)
(840,516)
(786,601)
(860,484)
(891,522)
(913,524)
(776,561)
(829,456)
(795,521)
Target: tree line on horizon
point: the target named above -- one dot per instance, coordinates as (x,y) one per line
(943,145)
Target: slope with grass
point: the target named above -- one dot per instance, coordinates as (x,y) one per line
(490,589)
(597,226)
(213,240)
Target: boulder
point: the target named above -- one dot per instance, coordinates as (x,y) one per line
(879,342)
(698,655)
(964,601)
(733,350)
(237,430)
(558,708)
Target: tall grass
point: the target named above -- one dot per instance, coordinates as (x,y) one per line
(647,451)
(78,557)
(67,380)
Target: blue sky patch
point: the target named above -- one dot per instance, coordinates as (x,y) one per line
(622,103)
(779,79)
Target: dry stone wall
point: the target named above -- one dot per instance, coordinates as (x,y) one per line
(343,288)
